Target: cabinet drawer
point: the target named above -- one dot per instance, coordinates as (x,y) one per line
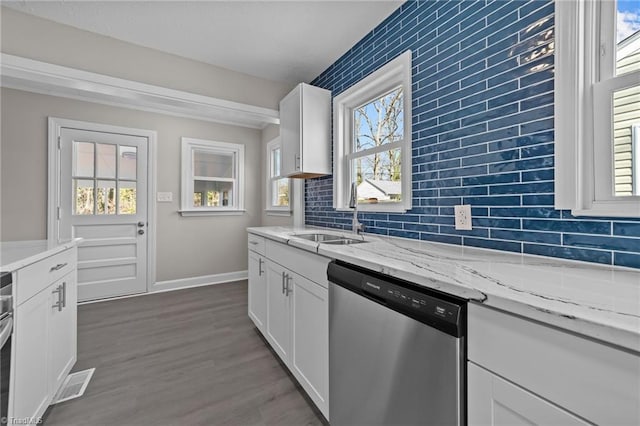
(593,380)
(309,265)
(256,243)
(36,277)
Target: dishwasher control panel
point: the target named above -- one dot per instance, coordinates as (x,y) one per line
(419,305)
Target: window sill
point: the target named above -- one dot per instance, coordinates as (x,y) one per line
(191,213)
(278,212)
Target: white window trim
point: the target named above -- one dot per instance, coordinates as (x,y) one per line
(583,176)
(395,73)
(635,148)
(270,209)
(188,146)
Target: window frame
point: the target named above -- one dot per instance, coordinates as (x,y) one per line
(396,73)
(189,146)
(271,209)
(585,81)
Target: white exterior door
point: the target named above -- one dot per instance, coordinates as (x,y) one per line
(103,199)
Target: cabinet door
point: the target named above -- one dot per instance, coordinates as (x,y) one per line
(310,349)
(290,131)
(31,379)
(494,401)
(257,290)
(278,311)
(62,329)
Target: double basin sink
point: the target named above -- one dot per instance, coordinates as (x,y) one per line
(329,239)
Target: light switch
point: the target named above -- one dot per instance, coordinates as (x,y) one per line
(165,197)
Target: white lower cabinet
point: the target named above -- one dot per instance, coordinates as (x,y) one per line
(522,372)
(278,310)
(45,333)
(310,331)
(297,314)
(30,367)
(494,401)
(257,290)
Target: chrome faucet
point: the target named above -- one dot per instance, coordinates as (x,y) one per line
(356,226)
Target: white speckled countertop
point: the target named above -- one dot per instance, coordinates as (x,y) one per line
(18,254)
(601,302)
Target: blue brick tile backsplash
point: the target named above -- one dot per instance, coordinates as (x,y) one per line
(483,105)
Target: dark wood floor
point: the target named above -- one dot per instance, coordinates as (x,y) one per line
(188,357)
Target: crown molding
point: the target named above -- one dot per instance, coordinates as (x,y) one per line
(40,77)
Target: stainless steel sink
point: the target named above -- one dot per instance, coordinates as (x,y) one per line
(319,237)
(344,241)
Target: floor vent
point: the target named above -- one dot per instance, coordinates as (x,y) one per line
(74,386)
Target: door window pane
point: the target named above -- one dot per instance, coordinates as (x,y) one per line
(127,198)
(275,163)
(128,162)
(212,193)
(207,164)
(378,177)
(105,161)
(83,196)
(106,197)
(379,121)
(83,159)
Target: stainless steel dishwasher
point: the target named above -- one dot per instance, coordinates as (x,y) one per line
(396,351)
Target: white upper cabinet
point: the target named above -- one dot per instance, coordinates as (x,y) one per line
(305,129)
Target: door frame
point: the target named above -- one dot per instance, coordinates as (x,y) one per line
(53,196)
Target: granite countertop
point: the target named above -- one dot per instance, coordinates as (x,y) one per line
(18,254)
(598,301)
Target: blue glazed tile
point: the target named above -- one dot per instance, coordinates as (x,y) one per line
(491,114)
(626,259)
(464,112)
(463,171)
(537,101)
(543,75)
(536,126)
(518,95)
(419,227)
(537,175)
(522,141)
(521,117)
(626,229)
(538,200)
(489,136)
(463,152)
(594,256)
(464,93)
(494,244)
(465,131)
(506,200)
(606,243)
(493,92)
(527,236)
(491,157)
(537,150)
(491,179)
(475,232)
(543,212)
(522,188)
(438,238)
(576,226)
(464,191)
(403,234)
(496,223)
(532,163)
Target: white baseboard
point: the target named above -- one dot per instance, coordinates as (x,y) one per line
(198,281)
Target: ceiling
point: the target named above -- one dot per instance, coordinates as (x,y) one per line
(288,41)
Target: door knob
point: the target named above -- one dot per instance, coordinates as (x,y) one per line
(141,231)
(140,224)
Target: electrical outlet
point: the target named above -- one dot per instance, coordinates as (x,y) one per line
(165,197)
(463,217)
